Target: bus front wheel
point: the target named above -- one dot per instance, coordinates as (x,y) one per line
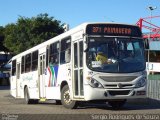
(66,100)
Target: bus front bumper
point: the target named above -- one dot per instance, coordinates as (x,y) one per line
(91,93)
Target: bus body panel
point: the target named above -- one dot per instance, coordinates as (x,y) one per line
(30,80)
(13,86)
(55,75)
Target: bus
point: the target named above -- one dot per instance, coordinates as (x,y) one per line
(65,68)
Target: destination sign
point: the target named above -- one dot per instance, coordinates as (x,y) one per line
(113,30)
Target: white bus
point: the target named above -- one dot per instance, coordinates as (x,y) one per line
(65,68)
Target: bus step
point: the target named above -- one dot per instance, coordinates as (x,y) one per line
(42,99)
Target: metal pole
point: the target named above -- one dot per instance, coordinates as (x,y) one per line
(149,39)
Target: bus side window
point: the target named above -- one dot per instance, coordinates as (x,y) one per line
(47,55)
(54,54)
(65,51)
(22,65)
(28,62)
(34,60)
(13,67)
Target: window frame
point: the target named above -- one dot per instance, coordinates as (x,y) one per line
(54,51)
(34,60)
(63,50)
(28,62)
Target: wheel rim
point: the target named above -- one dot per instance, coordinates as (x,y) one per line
(66,97)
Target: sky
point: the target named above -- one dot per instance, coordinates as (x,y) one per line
(75,12)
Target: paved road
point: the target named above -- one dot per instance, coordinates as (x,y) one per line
(12,108)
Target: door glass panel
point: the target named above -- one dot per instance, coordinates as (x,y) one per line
(76,81)
(43,64)
(40,65)
(75,56)
(81,82)
(81,53)
(42,76)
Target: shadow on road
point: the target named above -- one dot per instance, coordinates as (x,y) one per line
(148,104)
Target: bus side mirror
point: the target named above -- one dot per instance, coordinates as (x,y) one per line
(146,43)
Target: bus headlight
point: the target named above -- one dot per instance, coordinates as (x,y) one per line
(141,82)
(95,84)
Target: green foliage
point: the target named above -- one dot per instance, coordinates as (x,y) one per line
(1,34)
(29,32)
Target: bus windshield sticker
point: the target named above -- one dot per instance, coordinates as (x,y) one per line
(96,64)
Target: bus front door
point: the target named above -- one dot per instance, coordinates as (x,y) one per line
(78,69)
(42,66)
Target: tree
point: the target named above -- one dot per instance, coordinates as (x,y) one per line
(3,58)
(2,36)
(29,32)
(1,33)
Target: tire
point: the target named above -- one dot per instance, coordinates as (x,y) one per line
(65,98)
(117,104)
(27,99)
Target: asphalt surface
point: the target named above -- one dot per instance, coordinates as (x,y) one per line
(16,109)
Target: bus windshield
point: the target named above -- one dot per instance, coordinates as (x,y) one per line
(115,55)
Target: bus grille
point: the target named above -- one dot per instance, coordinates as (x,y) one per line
(118,78)
(114,93)
(116,86)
